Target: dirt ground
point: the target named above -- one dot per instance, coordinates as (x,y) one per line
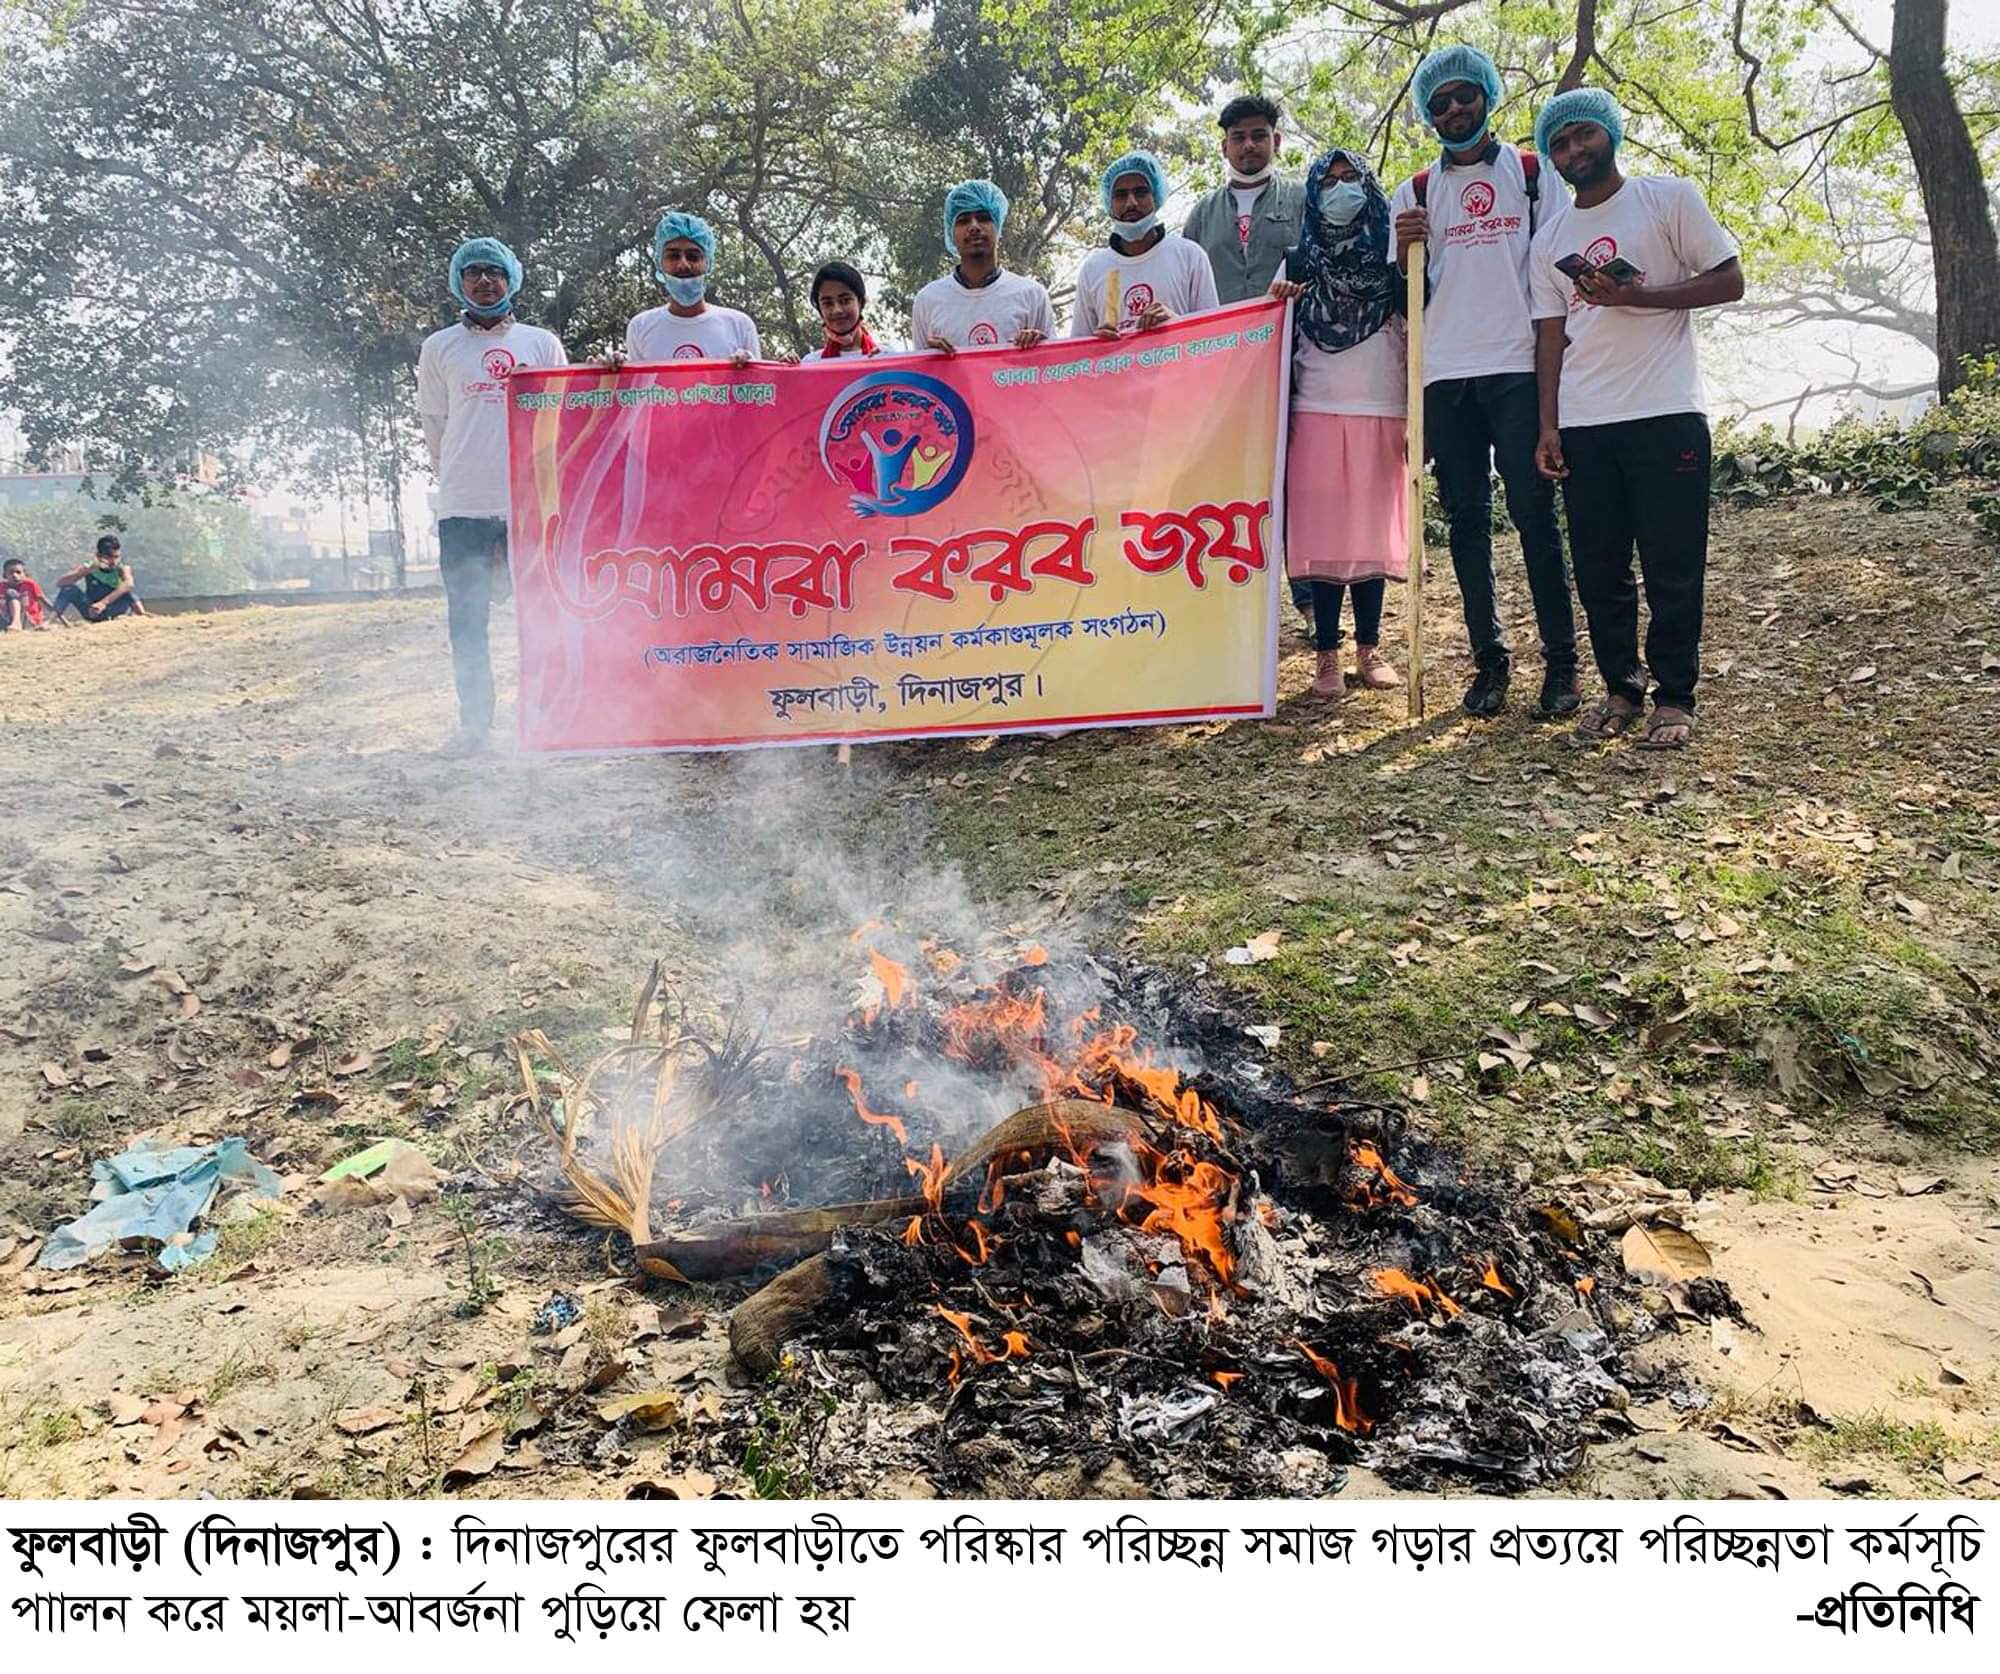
(240,895)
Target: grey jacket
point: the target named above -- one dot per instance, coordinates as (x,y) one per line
(1242,273)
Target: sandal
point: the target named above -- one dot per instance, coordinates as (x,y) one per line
(1667,718)
(1611,716)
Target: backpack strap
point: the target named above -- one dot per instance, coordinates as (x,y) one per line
(1531,178)
(1420,184)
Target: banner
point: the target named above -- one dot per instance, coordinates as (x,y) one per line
(1086,533)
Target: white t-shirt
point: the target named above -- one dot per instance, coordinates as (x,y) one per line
(715,333)
(462,378)
(1476,323)
(980,316)
(1370,380)
(1629,363)
(1174,271)
(1246,204)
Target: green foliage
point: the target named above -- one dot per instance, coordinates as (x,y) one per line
(479,1288)
(782,1451)
(195,543)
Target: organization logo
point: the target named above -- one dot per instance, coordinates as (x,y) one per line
(1601,250)
(1477,198)
(901,440)
(688,351)
(1138,299)
(498,363)
(983,335)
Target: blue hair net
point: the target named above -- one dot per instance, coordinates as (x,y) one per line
(678,223)
(1135,162)
(1455,63)
(489,251)
(1579,104)
(973,194)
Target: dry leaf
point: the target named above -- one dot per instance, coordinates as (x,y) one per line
(126,1409)
(653,1409)
(135,966)
(281,1055)
(1664,1254)
(461,1389)
(360,1421)
(1916,1185)
(1596,1016)
(355,1065)
(55,1075)
(1420,1089)
(692,1485)
(1862,675)
(477,1457)
(1659,1037)
(1917,910)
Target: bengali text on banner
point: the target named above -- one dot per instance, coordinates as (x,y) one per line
(1087,533)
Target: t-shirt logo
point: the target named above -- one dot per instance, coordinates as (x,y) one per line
(1601,250)
(1477,198)
(688,351)
(1243,231)
(983,334)
(1138,299)
(498,363)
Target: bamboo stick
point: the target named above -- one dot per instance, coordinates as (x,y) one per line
(1413,595)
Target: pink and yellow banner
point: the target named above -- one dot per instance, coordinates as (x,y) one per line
(1082,534)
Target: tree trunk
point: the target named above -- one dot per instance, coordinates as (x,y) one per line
(1965,255)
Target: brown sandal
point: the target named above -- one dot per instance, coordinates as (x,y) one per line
(1609,717)
(1666,718)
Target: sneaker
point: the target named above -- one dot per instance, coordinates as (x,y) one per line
(1487,695)
(1560,698)
(1329,682)
(467,741)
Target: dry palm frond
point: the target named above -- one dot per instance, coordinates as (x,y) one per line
(612,1185)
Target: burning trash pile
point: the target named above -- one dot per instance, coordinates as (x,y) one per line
(986,1199)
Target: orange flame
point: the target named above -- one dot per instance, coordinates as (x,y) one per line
(1192,1202)
(1489,1276)
(1017,1344)
(1393,1281)
(1347,1411)
(1224,1379)
(874,1118)
(1036,955)
(931,1176)
(914,1233)
(982,1247)
(895,980)
(1386,1187)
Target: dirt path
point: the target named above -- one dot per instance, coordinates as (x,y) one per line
(245,806)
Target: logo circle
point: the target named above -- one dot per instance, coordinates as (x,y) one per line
(902,441)
(1477,198)
(1601,250)
(983,335)
(498,363)
(688,351)
(1138,299)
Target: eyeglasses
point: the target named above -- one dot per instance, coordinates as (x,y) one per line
(480,270)
(1462,94)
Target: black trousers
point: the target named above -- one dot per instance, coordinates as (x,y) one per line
(472,551)
(1643,482)
(1326,597)
(1475,426)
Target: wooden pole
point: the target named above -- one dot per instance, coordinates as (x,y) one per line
(1413,594)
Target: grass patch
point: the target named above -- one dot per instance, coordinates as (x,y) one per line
(1918,1447)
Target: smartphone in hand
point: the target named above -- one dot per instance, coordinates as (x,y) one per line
(1574,265)
(1621,272)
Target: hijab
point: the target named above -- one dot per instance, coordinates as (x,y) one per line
(1349,272)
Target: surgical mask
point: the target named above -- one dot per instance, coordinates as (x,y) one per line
(687,292)
(1257,179)
(499,312)
(1132,231)
(1340,203)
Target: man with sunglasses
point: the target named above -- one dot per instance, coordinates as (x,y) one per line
(1476,210)
(462,374)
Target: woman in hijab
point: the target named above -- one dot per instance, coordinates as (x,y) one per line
(1346,496)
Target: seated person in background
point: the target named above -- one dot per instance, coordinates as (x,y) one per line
(100,589)
(21,601)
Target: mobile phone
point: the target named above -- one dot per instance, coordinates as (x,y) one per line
(1620,272)
(1575,266)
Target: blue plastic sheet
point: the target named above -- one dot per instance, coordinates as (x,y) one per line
(152,1195)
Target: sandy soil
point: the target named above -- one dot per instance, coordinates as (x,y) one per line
(247,802)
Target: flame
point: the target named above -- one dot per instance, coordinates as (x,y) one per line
(914,1233)
(895,980)
(982,1249)
(1224,1379)
(1035,955)
(1585,1285)
(1347,1411)
(1017,1344)
(874,1118)
(994,1192)
(1490,1276)
(932,1176)
(1190,1200)
(1267,1212)
(1393,1281)
(1014,1343)
(1386,1187)
(1003,1027)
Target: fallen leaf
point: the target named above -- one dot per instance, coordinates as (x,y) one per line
(1265,1034)
(1948,1373)
(691,1485)
(1916,1185)
(477,1457)
(361,1421)
(652,1409)
(1660,1037)
(55,1075)
(126,1409)
(1862,675)
(1561,1222)
(1664,1254)
(355,1065)
(1917,911)
(135,966)
(1959,1473)
(461,1389)
(1420,1089)
(1595,1016)
(281,1055)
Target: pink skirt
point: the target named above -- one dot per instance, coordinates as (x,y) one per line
(1347,505)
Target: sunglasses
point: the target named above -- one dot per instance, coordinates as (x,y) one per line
(1460,95)
(478,270)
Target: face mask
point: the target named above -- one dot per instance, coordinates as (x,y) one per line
(1256,179)
(1340,203)
(1132,231)
(687,292)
